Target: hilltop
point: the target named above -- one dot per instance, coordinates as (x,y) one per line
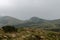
(32,22)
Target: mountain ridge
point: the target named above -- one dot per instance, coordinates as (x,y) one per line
(32,22)
(7,20)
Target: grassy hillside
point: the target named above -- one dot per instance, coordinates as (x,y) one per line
(30,34)
(32,22)
(7,20)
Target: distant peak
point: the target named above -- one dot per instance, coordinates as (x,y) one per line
(35,18)
(6,16)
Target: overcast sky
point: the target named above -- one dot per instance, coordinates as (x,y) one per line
(24,9)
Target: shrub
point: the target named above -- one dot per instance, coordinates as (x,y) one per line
(8,28)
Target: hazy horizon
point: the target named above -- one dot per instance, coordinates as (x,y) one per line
(25,9)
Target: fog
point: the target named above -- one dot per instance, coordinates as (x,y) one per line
(25,9)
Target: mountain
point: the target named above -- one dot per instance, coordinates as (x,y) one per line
(32,22)
(7,20)
(41,23)
(36,20)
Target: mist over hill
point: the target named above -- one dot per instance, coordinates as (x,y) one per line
(7,20)
(32,22)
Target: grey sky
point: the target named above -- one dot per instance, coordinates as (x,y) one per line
(24,9)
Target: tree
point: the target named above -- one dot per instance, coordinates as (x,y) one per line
(9,28)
